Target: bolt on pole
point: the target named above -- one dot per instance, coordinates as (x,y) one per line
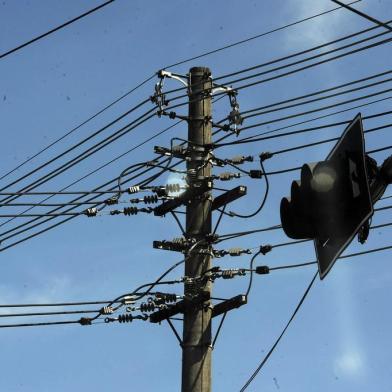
(196,350)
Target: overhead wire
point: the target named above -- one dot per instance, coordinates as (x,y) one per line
(265,359)
(57,28)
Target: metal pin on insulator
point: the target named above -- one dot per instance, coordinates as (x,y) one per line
(90,212)
(150,199)
(106,310)
(133,189)
(130,211)
(125,318)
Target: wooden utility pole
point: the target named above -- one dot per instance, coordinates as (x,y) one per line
(196,347)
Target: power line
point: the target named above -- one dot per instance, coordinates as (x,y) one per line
(152,76)
(267,135)
(77,127)
(55,29)
(261,113)
(265,359)
(255,37)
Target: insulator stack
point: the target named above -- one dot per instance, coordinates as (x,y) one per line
(150,199)
(167,298)
(106,310)
(90,212)
(133,189)
(125,318)
(231,273)
(239,159)
(226,176)
(180,241)
(130,211)
(147,307)
(173,188)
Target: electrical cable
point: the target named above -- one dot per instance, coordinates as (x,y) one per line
(43,230)
(255,37)
(261,113)
(252,260)
(254,374)
(39,324)
(103,143)
(39,314)
(35,39)
(251,215)
(299,61)
(303,122)
(318,92)
(259,137)
(73,162)
(77,127)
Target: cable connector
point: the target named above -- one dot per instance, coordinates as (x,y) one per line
(262,270)
(265,155)
(85,321)
(264,249)
(255,174)
(111,201)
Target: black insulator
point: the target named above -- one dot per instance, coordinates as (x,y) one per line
(151,199)
(125,318)
(133,189)
(172,115)
(147,307)
(130,211)
(167,297)
(113,200)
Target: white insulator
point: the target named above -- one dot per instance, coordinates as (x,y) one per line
(134,189)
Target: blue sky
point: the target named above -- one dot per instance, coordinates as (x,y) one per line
(339,341)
